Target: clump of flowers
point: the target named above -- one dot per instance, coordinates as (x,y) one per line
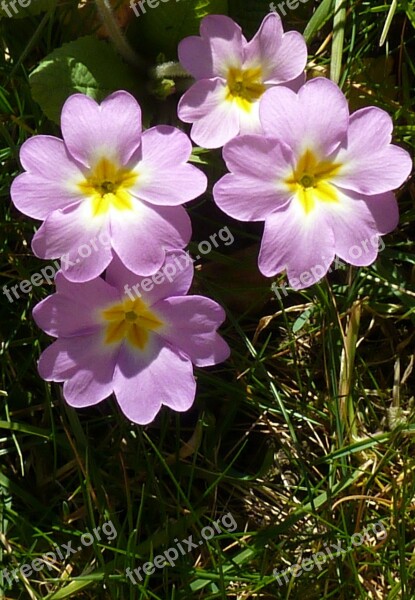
(233,74)
(108,180)
(320,178)
(140,348)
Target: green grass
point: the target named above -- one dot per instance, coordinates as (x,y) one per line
(306,435)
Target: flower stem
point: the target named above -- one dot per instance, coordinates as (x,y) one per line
(117,37)
(346,370)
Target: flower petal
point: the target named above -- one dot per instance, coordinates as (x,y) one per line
(316,118)
(164,176)
(111,129)
(141,237)
(291,61)
(73,309)
(192,323)
(371,165)
(220,46)
(142,386)
(255,187)
(264,46)
(301,245)
(195,56)
(71,233)
(282,57)
(354,228)
(173,279)
(218,127)
(65,360)
(376,173)
(201,99)
(51,179)
(385,211)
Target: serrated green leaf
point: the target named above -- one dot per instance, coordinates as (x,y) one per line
(86,65)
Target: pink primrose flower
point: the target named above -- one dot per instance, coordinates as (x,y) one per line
(320,178)
(132,336)
(107,188)
(233,74)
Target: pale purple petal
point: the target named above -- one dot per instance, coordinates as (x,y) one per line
(249,122)
(141,237)
(302,245)
(164,176)
(196,57)
(385,211)
(201,99)
(291,60)
(55,363)
(226,42)
(260,157)
(255,187)
(266,43)
(374,173)
(371,164)
(93,380)
(191,326)
(220,46)
(80,362)
(244,198)
(370,128)
(73,233)
(73,310)
(111,129)
(142,386)
(282,57)
(218,127)
(173,279)
(316,118)
(354,229)
(51,179)
(297,83)
(165,146)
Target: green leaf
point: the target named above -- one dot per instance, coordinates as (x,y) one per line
(160,29)
(85,65)
(320,17)
(410,13)
(302,320)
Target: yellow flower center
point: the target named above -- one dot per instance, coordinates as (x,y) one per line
(107,186)
(310,180)
(130,320)
(245,86)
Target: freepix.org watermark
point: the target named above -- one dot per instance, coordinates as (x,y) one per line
(320,558)
(62,552)
(290,4)
(48,273)
(318,271)
(6,6)
(144,4)
(182,548)
(176,266)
